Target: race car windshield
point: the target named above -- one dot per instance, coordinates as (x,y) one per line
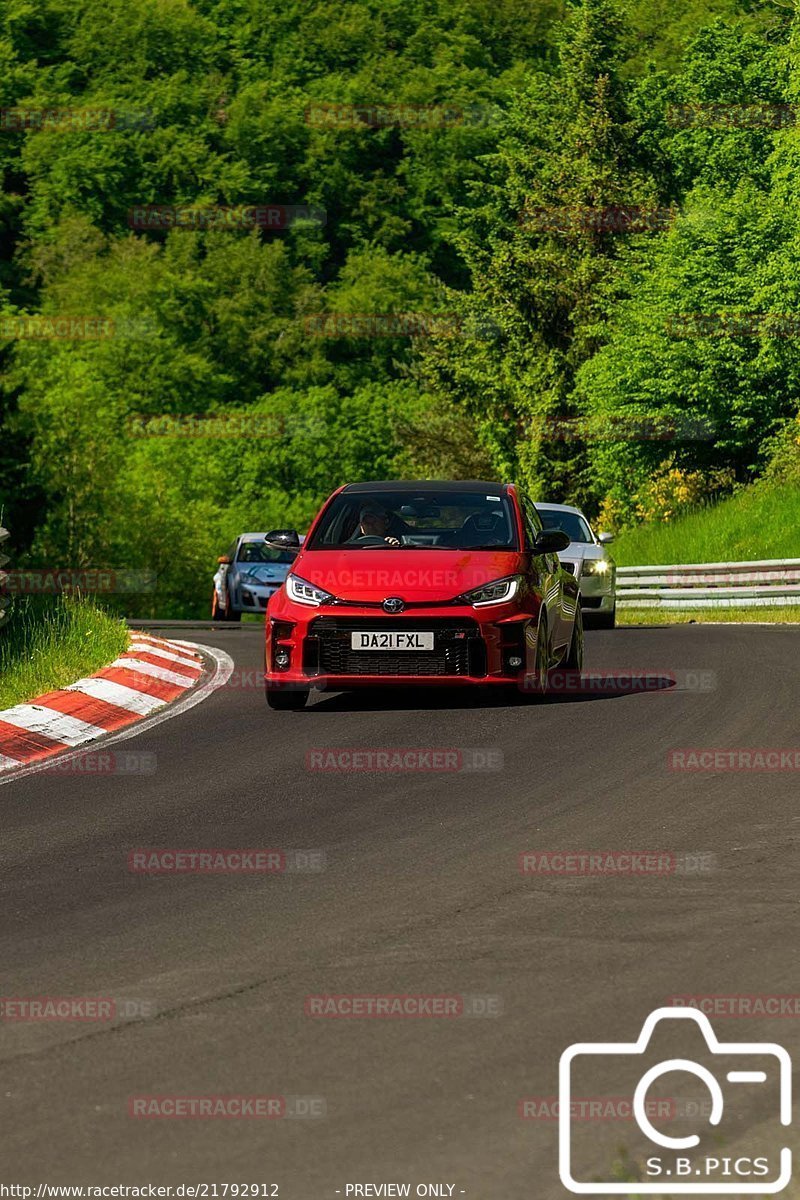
(430,520)
(257,552)
(572,524)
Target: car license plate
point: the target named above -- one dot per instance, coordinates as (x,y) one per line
(387,640)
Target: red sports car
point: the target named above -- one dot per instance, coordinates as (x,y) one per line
(421,582)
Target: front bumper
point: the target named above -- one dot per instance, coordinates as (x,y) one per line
(255,599)
(598,592)
(597,602)
(313,649)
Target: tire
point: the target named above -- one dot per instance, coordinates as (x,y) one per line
(574,658)
(538,685)
(606,620)
(286,699)
(222,614)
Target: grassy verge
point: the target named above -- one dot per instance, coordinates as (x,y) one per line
(786,615)
(759,522)
(49,645)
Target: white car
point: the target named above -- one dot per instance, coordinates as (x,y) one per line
(247,575)
(588,560)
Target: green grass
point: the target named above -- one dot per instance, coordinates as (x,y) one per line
(47,645)
(761,521)
(787,614)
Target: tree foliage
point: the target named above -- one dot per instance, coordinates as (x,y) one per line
(460,161)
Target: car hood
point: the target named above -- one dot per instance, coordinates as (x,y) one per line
(583,550)
(264,573)
(412,575)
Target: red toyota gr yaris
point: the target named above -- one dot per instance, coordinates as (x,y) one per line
(421,582)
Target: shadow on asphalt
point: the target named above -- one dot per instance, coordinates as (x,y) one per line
(404,700)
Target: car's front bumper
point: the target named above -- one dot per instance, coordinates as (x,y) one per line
(597,601)
(470,647)
(255,599)
(598,592)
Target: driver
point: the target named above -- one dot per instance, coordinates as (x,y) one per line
(373,521)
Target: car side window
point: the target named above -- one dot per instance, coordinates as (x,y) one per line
(531,519)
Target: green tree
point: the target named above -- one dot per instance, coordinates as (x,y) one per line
(538,255)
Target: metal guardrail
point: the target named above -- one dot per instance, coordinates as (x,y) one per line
(772,582)
(6,601)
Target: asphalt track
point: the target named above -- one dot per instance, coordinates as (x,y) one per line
(421,893)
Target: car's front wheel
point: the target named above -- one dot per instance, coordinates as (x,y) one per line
(218,613)
(536,683)
(287,699)
(605,620)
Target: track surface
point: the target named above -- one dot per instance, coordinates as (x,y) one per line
(421,894)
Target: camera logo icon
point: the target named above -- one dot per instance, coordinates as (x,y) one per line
(693,1163)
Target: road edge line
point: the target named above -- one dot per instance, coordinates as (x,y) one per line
(223,669)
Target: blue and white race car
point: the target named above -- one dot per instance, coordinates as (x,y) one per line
(247,575)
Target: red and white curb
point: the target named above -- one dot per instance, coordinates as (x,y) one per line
(152,674)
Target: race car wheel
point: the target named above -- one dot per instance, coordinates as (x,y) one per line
(287,700)
(218,613)
(606,620)
(537,686)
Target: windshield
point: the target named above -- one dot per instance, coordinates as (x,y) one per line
(431,520)
(257,552)
(572,524)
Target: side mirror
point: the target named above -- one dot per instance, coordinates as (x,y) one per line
(605,538)
(550,541)
(282,539)
(223,560)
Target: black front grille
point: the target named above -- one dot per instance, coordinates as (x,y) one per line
(591,601)
(458,649)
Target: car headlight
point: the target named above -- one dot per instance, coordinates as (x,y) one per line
(305,593)
(596,566)
(251,580)
(498,592)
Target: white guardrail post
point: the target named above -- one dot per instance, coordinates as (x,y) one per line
(768,582)
(6,601)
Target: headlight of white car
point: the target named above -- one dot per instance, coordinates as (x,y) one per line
(596,566)
(497,592)
(252,580)
(305,593)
